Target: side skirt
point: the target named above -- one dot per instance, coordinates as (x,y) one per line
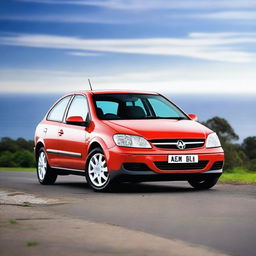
(67,171)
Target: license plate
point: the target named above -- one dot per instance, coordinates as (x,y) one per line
(183,159)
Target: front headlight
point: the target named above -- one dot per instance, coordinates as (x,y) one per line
(213,141)
(131,141)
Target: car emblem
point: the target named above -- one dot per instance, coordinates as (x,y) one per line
(181,144)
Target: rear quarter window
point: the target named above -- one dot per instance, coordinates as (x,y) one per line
(57,112)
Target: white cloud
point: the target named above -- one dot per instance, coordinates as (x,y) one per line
(193,46)
(111,17)
(195,80)
(83,54)
(229,15)
(153,4)
(223,35)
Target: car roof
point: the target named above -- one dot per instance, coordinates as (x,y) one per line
(112,91)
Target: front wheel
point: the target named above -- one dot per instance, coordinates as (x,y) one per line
(45,174)
(203,183)
(97,174)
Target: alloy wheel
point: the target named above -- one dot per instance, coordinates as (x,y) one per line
(97,170)
(42,165)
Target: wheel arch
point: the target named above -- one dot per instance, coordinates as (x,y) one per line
(39,145)
(97,143)
(93,145)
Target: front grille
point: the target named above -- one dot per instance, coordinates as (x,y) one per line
(217,165)
(163,165)
(173,143)
(136,167)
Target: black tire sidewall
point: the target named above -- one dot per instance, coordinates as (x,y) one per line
(204,183)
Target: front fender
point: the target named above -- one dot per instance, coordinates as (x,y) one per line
(103,145)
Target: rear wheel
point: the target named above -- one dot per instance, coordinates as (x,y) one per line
(203,183)
(97,174)
(45,174)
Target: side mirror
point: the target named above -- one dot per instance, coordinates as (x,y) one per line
(77,120)
(193,117)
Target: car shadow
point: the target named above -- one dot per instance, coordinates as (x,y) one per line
(150,188)
(76,185)
(136,188)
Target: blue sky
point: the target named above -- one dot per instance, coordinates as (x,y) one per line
(189,46)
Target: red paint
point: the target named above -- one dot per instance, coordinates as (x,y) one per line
(62,136)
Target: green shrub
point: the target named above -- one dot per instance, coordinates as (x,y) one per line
(7,159)
(24,158)
(16,153)
(252,165)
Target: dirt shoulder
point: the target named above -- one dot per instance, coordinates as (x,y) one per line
(30,229)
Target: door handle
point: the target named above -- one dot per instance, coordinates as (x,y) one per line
(61,132)
(45,130)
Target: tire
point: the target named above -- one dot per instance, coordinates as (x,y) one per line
(96,173)
(203,183)
(45,175)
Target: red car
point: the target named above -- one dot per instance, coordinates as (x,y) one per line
(124,136)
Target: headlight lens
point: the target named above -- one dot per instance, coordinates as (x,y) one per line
(131,141)
(213,141)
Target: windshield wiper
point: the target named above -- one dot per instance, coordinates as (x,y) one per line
(179,118)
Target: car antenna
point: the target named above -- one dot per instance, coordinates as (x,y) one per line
(90,84)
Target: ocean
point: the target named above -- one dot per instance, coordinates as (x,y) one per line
(21,113)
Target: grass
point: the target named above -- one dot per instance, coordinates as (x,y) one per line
(26,204)
(248,178)
(12,221)
(22,169)
(238,175)
(32,243)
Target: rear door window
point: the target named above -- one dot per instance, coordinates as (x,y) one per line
(78,107)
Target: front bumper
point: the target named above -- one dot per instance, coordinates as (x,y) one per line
(126,176)
(117,157)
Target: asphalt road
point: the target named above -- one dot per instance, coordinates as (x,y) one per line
(223,218)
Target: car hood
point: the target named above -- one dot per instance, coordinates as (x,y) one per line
(160,128)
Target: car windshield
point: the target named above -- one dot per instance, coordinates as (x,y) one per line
(125,106)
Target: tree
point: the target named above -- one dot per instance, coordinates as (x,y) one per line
(249,147)
(8,144)
(252,165)
(222,128)
(25,144)
(234,155)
